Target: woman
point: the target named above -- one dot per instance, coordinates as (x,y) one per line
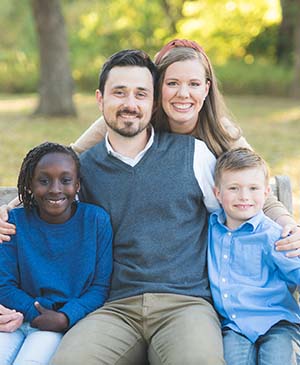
(189,102)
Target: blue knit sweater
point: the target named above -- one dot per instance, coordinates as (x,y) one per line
(158,217)
(66,267)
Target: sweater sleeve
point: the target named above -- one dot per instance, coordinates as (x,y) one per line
(96,294)
(10,294)
(94,134)
(273,208)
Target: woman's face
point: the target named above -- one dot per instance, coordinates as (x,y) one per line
(183,92)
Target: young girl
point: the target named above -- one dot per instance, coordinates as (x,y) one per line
(57,267)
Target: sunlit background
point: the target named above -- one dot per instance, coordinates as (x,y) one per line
(250,43)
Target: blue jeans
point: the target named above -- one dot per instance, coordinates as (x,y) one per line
(28,346)
(279,346)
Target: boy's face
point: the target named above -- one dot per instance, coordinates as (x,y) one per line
(54,186)
(242,194)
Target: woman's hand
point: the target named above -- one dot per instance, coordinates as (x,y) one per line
(290,240)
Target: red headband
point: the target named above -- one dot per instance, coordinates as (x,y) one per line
(177,43)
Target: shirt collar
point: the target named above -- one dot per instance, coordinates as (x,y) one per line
(252,223)
(128,160)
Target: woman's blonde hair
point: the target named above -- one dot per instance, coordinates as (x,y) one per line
(209,127)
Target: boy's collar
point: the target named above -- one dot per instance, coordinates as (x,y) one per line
(220,217)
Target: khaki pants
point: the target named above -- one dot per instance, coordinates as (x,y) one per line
(159,328)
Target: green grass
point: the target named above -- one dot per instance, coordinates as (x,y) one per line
(271,125)
(259,78)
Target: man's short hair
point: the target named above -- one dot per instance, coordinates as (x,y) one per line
(127,57)
(239,159)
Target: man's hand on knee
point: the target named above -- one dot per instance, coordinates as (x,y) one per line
(10,320)
(6,229)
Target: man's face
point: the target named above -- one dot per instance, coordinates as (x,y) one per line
(127,101)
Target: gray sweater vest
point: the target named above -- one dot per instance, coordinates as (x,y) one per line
(158,217)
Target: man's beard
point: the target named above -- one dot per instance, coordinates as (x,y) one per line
(126,131)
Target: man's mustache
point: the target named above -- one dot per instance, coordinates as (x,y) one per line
(130,112)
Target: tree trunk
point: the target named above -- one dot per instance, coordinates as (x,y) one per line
(296,58)
(173,13)
(286,32)
(56,84)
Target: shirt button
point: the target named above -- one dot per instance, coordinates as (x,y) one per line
(223,280)
(225,295)
(229,233)
(225,257)
(233,316)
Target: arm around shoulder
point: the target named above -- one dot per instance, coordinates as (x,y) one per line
(93,135)
(7,229)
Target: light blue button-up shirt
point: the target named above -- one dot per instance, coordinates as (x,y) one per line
(251,282)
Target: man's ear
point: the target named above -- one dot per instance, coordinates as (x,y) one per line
(99,99)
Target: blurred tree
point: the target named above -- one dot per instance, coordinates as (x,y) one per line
(18,56)
(227,34)
(296,83)
(242,30)
(263,46)
(173,12)
(56,84)
(288,41)
(100,28)
(285,33)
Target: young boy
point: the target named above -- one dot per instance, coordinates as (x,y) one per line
(251,283)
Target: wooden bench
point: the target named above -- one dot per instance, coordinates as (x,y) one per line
(282,189)
(7,194)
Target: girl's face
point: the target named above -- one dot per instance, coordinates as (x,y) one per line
(183,92)
(54,186)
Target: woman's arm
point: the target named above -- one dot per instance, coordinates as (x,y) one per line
(7,229)
(275,210)
(94,134)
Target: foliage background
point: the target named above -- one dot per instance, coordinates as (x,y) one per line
(240,37)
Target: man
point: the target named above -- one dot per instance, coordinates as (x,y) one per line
(159,305)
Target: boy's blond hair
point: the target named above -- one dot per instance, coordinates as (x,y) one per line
(239,159)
